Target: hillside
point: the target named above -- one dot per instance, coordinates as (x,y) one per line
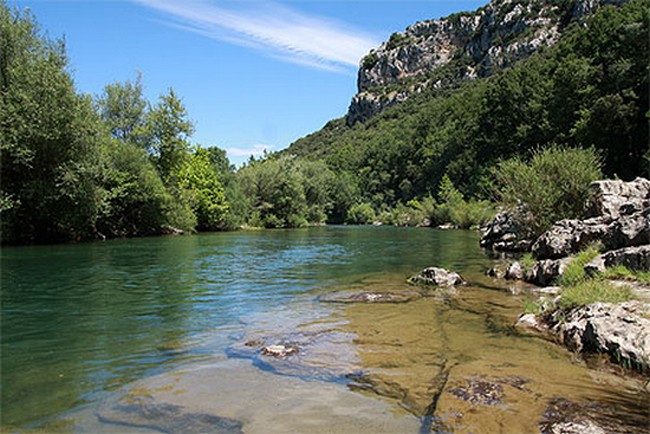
(464,46)
(582,81)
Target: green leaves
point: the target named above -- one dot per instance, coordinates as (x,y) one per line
(552,186)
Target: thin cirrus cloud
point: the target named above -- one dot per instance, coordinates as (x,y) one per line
(276,30)
(256,150)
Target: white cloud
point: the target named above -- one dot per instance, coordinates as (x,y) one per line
(276,30)
(256,150)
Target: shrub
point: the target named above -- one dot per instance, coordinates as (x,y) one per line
(552,186)
(361,214)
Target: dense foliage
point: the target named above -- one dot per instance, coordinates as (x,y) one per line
(550,186)
(588,90)
(76,167)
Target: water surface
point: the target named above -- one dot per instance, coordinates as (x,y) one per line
(85,325)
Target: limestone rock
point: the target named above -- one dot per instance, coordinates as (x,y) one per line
(434,276)
(489,39)
(569,236)
(620,330)
(544,272)
(634,258)
(614,198)
(515,271)
(505,233)
(279,351)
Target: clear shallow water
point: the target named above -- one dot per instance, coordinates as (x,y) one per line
(159,317)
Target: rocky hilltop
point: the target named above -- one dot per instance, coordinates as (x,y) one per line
(438,53)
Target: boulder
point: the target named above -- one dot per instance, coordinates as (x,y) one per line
(515,271)
(505,233)
(279,351)
(434,276)
(620,330)
(619,217)
(496,272)
(569,236)
(614,198)
(634,258)
(546,271)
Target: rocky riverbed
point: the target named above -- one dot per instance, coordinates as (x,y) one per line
(451,363)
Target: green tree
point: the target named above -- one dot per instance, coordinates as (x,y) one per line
(208,197)
(135,200)
(49,139)
(123,109)
(168,131)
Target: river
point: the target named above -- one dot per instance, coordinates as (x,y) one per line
(164,334)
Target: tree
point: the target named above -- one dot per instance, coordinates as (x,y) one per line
(168,130)
(208,198)
(122,108)
(49,139)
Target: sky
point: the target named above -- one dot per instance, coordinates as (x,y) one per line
(254,75)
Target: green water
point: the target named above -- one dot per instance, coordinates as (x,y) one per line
(78,320)
(82,325)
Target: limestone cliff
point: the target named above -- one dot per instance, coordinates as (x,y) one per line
(439,53)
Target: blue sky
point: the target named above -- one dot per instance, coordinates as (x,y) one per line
(253,75)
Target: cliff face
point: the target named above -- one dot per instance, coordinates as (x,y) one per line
(438,53)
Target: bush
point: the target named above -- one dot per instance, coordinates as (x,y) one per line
(552,186)
(361,214)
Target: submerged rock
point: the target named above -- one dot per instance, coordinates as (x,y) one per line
(434,276)
(563,416)
(370,297)
(144,412)
(479,391)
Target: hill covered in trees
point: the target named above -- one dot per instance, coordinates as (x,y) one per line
(588,90)
(539,91)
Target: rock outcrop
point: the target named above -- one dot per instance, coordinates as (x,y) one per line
(633,258)
(505,233)
(620,218)
(546,271)
(620,330)
(462,46)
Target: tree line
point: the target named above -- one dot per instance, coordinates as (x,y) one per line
(76,167)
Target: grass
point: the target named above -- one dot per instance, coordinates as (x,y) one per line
(574,273)
(578,289)
(527,261)
(594,290)
(621,272)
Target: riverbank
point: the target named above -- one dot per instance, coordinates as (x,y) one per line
(594,274)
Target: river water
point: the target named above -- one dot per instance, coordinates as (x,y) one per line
(164,334)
